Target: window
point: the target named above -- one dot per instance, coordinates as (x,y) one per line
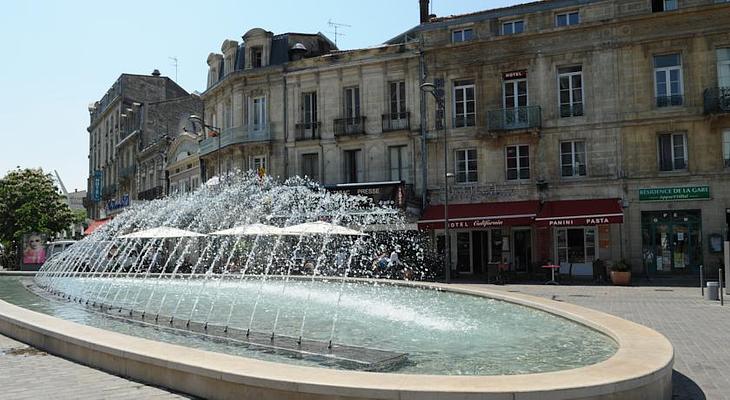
(466,166)
(309,109)
(512,27)
(672,152)
(353,166)
(310,166)
(668,80)
(726,148)
(352,103)
(464,104)
(399,163)
(570,84)
(573,158)
(576,245)
(258,164)
(568,18)
(723,68)
(397,100)
(227,115)
(663,5)
(257,118)
(462,35)
(518,162)
(257,57)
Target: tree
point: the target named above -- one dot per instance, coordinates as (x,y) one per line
(30,202)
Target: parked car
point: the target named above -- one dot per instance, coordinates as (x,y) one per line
(55,248)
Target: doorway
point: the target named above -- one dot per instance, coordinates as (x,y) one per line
(671,241)
(522,245)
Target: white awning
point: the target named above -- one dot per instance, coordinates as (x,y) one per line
(249,230)
(161,232)
(320,228)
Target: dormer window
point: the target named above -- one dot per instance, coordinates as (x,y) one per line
(663,5)
(568,18)
(257,57)
(462,35)
(513,27)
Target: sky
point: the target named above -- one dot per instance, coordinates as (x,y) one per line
(57,57)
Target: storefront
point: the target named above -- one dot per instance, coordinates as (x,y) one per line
(671,240)
(485,235)
(580,231)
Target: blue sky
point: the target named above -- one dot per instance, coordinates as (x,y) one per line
(59,56)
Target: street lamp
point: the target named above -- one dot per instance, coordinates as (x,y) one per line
(197,119)
(438,94)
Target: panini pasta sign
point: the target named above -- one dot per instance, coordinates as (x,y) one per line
(675,193)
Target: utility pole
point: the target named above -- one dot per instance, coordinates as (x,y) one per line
(336,26)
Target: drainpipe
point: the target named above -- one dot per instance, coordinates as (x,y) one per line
(424,121)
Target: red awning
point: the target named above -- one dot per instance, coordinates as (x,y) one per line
(581,213)
(94,225)
(481,215)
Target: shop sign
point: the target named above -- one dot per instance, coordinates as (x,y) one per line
(582,221)
(477,223)
(96,187)
(385,193)
(115,204)
(675,193)
(514,75)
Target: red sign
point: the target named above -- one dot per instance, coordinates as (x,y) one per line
(483,223)
(514,75)
(581,221)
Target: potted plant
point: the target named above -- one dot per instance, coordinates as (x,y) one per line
(621,273)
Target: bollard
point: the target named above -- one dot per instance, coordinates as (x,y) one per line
(722,301)
(702,282)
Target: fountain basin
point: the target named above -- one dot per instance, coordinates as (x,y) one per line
(641,368)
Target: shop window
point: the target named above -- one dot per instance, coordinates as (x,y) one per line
(668,86)
(464,104)
(518,162)
(573,158)
(570,87)
(672,152)
(576,245)
(726,148)
(466,166)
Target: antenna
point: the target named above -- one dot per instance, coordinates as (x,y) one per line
(335,26)
(174,64)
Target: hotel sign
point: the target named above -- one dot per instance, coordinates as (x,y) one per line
(477,223)
(675,193)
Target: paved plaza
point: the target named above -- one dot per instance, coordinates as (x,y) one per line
(698,329)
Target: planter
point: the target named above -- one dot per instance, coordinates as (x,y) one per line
(621,278)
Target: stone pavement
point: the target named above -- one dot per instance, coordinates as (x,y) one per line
(698,329)
(27,373)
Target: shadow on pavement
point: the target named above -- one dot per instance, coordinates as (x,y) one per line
(685,388)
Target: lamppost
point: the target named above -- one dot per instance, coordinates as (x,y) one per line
(197,119)
(438,94)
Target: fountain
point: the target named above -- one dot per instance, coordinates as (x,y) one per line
(285,274)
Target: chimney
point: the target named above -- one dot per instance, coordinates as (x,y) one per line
(156,72)
(424,11)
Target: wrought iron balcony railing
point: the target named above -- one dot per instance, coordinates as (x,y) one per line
(571,110)
(717,100)
(397,121)
(519,118)
(349,126)
(667,101)
(461,121)
(150,194)
(307,131)
(239,134)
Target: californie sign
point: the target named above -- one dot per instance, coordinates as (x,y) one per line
(675,193)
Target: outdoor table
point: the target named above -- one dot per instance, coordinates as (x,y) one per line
(552,267)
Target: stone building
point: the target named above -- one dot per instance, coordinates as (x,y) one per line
(126,124)
(576,130)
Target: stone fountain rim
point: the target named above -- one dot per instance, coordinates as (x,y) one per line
(644,358)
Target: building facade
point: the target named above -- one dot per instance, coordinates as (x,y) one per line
(577,130)
(129,131)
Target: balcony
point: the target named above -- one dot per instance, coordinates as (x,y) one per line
(669,101)
(150,194)
(717,100)
(514,119)
(237,135)
(349,126)
(397,122)
(307,131)
(127,172)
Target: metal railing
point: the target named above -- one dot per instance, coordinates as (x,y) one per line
(150,194)
(571,110)
(349,126)
(717,100)
(307,131)
(506,119)
(397,121)
(239,134)
(667,101)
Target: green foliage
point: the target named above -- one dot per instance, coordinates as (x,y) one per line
(30,202)
(80,217)
(621,266)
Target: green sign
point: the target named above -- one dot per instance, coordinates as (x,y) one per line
(675,193)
